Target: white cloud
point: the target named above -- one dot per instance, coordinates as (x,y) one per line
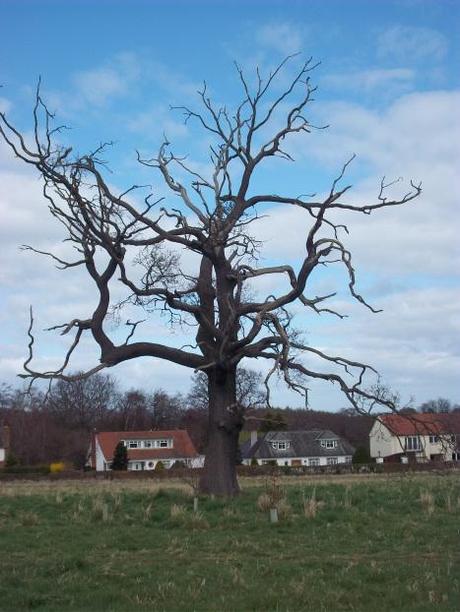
(284,38)
(413,342)
(98,87)
(371,79)
(411,44)
(5,105)
(417,137)
(157,120)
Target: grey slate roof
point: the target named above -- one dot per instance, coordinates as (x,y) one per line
(302,444)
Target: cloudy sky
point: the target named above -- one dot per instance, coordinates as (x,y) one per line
(388,86)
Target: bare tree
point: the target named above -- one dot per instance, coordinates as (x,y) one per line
(438,405)
(132,411)
(249,392)
(83,403)
(214,220)
(167,411)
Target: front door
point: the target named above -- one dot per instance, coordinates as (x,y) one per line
(296,462)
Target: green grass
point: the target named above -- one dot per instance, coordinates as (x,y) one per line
(383,545)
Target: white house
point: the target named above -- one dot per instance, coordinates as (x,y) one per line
(4,444)
(145,449)
(316,447)
(418,437)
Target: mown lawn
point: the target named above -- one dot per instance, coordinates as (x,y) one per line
(384,545)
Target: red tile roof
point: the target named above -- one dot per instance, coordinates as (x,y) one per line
(421,424)
(182,444)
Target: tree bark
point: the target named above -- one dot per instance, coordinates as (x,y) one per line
(224,426)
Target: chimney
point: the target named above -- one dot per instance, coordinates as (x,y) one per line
(253,437)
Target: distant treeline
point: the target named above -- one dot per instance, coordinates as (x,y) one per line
(57,426)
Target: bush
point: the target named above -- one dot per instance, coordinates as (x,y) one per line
(361,455)
(56,467)
(27,469)
(120,457)
(160,466)
(11,461)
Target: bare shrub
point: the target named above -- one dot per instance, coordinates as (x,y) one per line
(196,520)
(427,502)
(284,508)
(311,505)
(29,519)
(148,512)
(347,501)
(116,501)
(177,511)
(100,510)
(264,502)
(449,504)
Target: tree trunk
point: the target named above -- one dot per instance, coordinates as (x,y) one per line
(224,425)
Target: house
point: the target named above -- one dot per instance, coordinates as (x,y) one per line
(415,437)
(145,449)
(316,447)
(4,444)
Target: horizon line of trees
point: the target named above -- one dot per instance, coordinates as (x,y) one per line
(57,426)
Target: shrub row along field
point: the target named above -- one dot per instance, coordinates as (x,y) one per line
(372,543)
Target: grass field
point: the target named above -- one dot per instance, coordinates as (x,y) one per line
(378,544)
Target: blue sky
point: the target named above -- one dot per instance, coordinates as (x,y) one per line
(388,85)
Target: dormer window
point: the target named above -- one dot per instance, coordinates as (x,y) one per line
(158,443)
(281,444)
(329,444)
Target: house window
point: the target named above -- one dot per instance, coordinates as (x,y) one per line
(434,439)
(148,444)
(412,443)
(332,460)
(281,445)
(134,443)
(313,461)
(163,443)
(329,443)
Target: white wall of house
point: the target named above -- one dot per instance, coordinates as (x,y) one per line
(304,461)
(150,464)
(384,443)
(197,462)
(2,454)
(101,463)
(137,465)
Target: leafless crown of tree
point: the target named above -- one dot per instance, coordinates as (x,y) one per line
(109,230)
